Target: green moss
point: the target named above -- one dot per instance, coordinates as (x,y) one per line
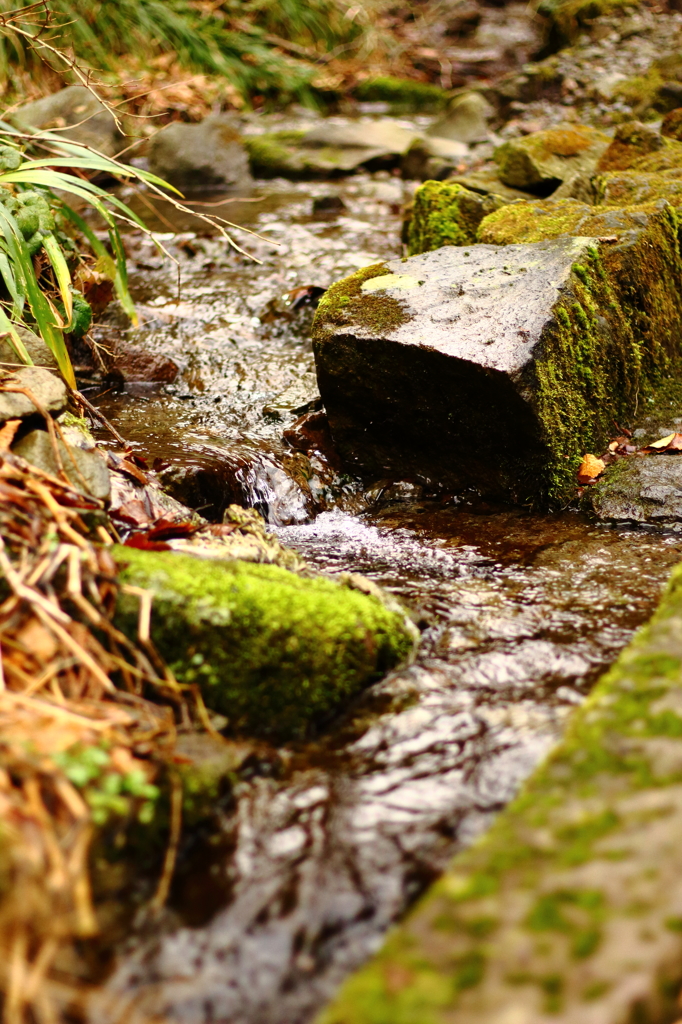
(445,213)
(346,303)
(272,651)
(637,188)
(277,153)
(402,93)
(533,221)
(519,875)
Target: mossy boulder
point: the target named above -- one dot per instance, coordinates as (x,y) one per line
(271,650)
(640,490)
(550,341)
(570,908)
(403,94)
(630,143)
(445,213)
(567,18)
(671,126)
(635,188)
(540,219)
(656,90)
(540,162)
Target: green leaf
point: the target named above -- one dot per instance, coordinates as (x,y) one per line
(61,271)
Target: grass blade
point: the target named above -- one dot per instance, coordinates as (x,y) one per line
(61,272)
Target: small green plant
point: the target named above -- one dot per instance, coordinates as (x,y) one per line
(32,208)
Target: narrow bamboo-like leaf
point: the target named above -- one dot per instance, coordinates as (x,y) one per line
(116,269)
(94,162)
(56,257)
(50,333)
(8,328)
(12,285)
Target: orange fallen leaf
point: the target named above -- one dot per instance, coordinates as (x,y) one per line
(590,468)
(662,443)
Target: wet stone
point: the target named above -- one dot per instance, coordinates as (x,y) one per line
(466,120)
(443,367)
(640,490)
(47,389)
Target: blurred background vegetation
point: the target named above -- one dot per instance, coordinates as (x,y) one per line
(239,52)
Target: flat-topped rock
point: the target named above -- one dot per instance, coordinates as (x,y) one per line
(494,367)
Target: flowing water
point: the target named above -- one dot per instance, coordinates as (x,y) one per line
(325,844)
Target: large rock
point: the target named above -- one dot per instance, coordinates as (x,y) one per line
(640,490)
(273,651)
(200,156)
(498,367)
(541,161)
(86,470)
(542,219)
(77,111)
(48,390)
(570,909)
(329,149)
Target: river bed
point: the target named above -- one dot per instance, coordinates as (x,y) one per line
(327,843)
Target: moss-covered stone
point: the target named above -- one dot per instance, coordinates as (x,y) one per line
(568,17)
(541,161)
(647,93)
(445,213)
(540,219)
(281,154)
(631,141)
(404,94)
(571,906)
(272,651)
(636,188)
(346,302)
(671,126)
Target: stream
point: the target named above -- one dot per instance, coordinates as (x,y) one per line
(325,844)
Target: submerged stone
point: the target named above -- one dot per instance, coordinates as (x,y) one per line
(273,651)
(570,908)
(541,161)
(502,366)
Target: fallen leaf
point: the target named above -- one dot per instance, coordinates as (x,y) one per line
(590,468)
(7,434)
(661,444)
(676,443)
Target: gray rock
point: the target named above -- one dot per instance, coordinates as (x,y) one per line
(386,135)
(466,365)
(466,120)
(35,346)
(640,490)
(432,158)
(199,156)
(86,470)
(487,182)
(48,390)
(75,108)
